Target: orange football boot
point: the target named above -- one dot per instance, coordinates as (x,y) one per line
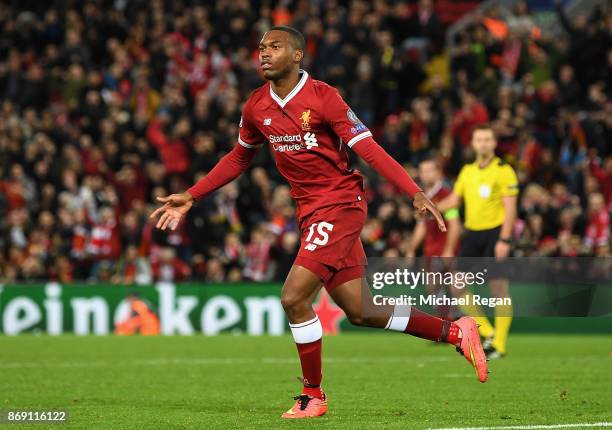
(307,407)
(471,347)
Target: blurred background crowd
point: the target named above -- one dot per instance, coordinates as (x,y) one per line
(105,105)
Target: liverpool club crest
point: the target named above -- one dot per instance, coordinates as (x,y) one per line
(305,120)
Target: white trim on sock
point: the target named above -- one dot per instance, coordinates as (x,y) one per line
(399,319)
(307,331)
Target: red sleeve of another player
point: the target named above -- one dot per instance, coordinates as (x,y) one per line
(385,165)
(343,120)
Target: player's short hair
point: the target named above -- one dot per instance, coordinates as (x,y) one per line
(434,161)
(483,126)
(297,38)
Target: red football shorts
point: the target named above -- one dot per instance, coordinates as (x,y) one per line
(330,244)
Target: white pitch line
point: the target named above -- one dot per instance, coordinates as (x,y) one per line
(531,427)
(214,361)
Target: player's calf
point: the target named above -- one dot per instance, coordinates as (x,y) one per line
(297,296)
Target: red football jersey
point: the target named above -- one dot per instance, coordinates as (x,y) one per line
(308,132)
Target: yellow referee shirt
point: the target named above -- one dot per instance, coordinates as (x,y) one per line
(482,190)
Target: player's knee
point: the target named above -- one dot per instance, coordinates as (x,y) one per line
(291,301)
(358,319)
(355,317)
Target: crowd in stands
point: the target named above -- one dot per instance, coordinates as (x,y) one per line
(105,105)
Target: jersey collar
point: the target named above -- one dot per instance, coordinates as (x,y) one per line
(292,93)
(434,190)
(494,160)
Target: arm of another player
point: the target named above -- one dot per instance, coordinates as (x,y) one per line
(417,238)
(453,225)
(453,200)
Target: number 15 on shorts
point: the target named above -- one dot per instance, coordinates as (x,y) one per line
(318,235)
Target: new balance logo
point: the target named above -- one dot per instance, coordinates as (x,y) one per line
(311,140)
(310,247)
(267,121)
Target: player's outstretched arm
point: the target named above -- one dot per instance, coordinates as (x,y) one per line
(175,206)
(391,170)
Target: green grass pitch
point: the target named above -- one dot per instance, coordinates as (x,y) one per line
(373,381)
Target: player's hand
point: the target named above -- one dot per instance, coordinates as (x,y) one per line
(174,208)
(423,205)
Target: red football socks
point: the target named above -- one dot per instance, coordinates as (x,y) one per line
(310,359)
(427,326)
(308,335)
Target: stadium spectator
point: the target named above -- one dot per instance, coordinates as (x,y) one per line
(169,268)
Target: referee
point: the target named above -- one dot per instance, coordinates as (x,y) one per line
(488,188)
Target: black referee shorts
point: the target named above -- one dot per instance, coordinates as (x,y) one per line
(479,243)
(478,248)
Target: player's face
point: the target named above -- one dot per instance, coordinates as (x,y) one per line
(429,173)
(277,55)
(483,142)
